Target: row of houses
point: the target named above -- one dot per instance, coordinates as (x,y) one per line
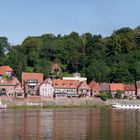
(33,85)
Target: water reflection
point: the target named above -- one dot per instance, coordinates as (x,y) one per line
(76,124)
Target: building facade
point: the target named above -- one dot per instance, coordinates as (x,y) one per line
(46,89)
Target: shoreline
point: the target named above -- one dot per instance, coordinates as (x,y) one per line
(51,103)
(58,106)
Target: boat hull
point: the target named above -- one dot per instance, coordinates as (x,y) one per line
(3,106)
(126,106)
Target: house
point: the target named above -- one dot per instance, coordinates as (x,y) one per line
(115,87)
(105,87)
(95,88)
(31,82)
(65,88)
(6,70)
(46,89)
(130,91)
(11,88)
(19,92)
(6,88)
(83,89)
(138,89)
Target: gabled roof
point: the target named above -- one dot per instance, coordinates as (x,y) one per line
(15,81)
(4,69)
(83,85)
(45,82)
(94,86)
(116,86)
(58,83)
(104,86)
(4,82)
(32,76)
(129,88)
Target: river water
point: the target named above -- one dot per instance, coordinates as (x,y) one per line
(69,124)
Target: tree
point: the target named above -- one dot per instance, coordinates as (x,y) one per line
(4,46)
(104,96)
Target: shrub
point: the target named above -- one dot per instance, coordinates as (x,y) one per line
(104,96)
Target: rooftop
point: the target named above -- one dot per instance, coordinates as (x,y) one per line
(32,76)
(4,69)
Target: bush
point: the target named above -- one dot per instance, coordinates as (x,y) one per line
(104,96)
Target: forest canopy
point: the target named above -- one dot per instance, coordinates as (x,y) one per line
(115,58)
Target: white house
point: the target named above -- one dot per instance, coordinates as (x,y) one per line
(46,89)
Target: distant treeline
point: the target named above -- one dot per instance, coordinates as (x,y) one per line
(111,59)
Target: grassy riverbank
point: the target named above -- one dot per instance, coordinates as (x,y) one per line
(57,106)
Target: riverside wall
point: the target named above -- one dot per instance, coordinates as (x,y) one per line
(53,102)
(89,101)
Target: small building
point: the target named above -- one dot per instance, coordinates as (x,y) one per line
(11,88)
(6,70)
(95,88)
(83,89)
(7,88)
(65,88)
(130,91)
(46,89)
(115,87)
(31,82)
(105,87)
(19,92)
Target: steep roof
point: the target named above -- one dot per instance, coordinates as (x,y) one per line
(4,69)
(15,81)
(83,85)
(129,88)
(94,86)
(32,76)
(58,83)
(104,86)
(4,82)
(116,86)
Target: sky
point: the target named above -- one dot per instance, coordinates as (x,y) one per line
(22,18)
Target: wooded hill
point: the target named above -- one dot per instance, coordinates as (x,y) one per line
(111,59)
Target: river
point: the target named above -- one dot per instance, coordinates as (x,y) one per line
(69,124)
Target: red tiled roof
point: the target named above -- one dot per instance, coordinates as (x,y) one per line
(15,81)
(129,88)
(4,69)
(32,76)
(95,86)
(2,80)
(116,86)
(83,85)
(58,83)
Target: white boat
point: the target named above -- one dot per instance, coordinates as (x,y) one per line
(2,106)
(126,106)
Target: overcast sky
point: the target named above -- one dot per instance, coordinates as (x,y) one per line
(22,18)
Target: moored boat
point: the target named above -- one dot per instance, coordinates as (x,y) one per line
(126,106)
(2,106)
